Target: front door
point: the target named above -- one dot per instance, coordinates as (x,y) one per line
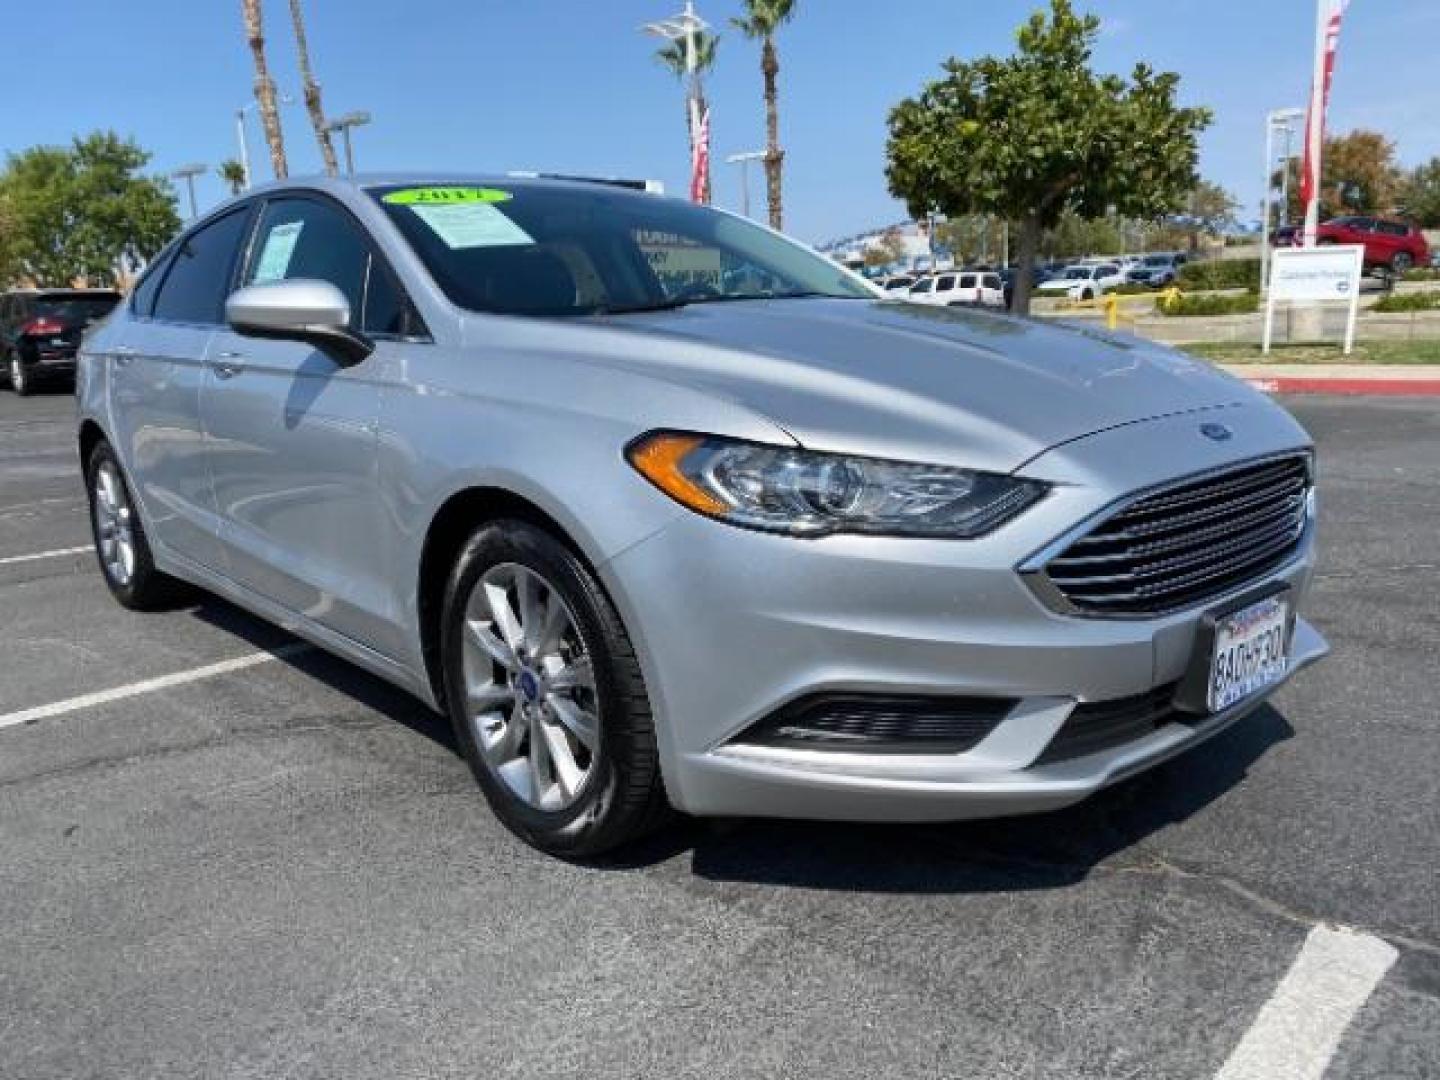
(292,433)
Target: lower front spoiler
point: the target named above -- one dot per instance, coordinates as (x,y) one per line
(748,781)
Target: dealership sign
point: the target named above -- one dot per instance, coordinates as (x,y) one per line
(1316,275)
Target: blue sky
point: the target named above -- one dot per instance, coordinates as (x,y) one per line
(569,85)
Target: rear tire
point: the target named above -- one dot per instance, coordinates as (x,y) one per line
(120,541)
(20,380)
(546,695)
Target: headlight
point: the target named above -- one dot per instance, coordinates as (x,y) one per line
(784,489)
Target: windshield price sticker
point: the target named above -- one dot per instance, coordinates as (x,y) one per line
(446,196)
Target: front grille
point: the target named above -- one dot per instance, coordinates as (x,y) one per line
(1102,725)
(1188,543)
(875,724)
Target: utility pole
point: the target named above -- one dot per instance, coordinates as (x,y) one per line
(240,134)
(743,160)
(1282,119)
(188,174)
(343,125)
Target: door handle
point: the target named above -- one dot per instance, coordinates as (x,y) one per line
(229,364)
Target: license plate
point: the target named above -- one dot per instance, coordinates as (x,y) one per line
(1251,652)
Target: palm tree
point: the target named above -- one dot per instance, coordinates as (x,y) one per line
(672,55)
(312,92)
(232,174)
(762,19)
(265,88)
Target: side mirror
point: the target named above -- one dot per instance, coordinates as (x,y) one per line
(315,312)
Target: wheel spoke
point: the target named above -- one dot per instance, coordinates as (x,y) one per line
(552,626)
(504,615)
(528,600)
(506,746)
(490,699)
(579,722)
(483,638)
(539,761)
(578,674)
(568,773)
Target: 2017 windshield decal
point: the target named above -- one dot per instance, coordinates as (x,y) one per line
(446,196)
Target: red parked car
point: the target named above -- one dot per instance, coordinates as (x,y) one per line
(1395,245)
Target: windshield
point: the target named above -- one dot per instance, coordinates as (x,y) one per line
(526,249)
(1158,260)
(1078,273)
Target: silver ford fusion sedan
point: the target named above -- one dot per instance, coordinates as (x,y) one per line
(663,509)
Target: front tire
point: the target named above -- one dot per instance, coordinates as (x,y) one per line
(546,695)
(120,541)
(1402,263)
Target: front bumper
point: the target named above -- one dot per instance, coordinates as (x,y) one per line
(732,625)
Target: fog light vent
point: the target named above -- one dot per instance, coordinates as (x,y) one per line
(872,724)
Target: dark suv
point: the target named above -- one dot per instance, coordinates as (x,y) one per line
(40,331)
(1389,244)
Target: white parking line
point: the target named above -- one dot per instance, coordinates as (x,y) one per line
(11,560)
(1297,1032)
(149,686)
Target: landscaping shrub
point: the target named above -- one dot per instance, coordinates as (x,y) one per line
(1421,273)
(1190,306)
(1132,288)
(1220,274)
(1420,301)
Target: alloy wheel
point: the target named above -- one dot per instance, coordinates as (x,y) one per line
(531,701)
(17,375)
(114,524)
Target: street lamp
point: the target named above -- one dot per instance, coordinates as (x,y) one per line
(240,114)
(343,125)
(685,27)
(1281,119)
(188,174)
(743,160)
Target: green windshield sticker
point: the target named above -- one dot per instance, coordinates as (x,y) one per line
(446,196)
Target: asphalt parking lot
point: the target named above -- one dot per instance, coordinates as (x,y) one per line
(280,868)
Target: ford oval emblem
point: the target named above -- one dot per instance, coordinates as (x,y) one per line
(1216,432)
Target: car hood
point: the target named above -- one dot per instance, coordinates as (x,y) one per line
(905,381)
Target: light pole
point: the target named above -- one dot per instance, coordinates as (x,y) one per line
(240,115)
(188,174)
(684,27)
(743,160)
(1280,118)
(343,125)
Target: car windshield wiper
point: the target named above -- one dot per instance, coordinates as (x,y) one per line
(799,294)
(633,309)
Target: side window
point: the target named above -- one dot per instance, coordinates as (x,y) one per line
(968,281)
(992,281)
(304,238)
(945,284)
(1394,228)
(198,279)
(142,300)
(308,238)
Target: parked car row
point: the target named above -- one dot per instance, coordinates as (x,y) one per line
(1087,279)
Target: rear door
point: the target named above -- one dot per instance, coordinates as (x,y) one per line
(292,434)
(157,369)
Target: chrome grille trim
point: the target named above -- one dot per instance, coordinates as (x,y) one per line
(1179,545)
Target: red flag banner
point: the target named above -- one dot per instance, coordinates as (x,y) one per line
(1314,136)
(700,161)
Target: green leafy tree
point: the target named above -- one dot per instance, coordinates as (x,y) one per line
(85,212)
(1030,136)
(673,56)
(232,175)
(1209,211)
(888,249)
(761,21)
(1421,195)
(1358,172)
